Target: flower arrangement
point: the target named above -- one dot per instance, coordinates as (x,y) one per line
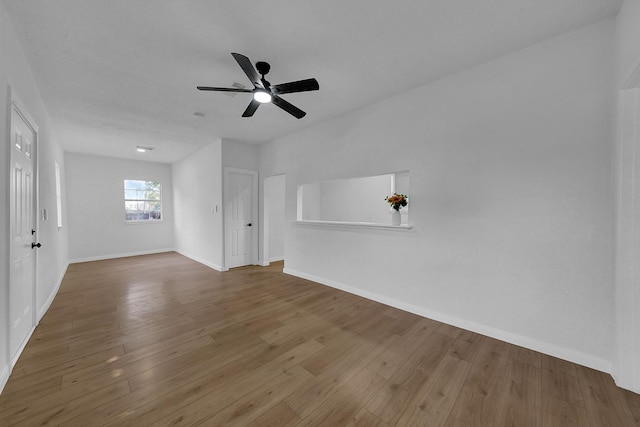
(397,201)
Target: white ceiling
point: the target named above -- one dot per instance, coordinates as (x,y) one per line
(119,73)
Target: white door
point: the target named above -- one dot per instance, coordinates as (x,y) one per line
(23,224)
(240,195)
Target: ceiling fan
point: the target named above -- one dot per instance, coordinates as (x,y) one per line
(263,91)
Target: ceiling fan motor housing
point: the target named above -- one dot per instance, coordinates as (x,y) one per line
(263,67)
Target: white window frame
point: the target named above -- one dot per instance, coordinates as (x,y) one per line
(142,220)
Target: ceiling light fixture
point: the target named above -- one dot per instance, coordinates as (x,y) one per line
(263,92)
(143,149)
(262,96)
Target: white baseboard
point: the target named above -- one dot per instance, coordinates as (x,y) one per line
(4,377)
(121,255)
(6,371)
(14,360)
(502,335)
(200,260)
(626,383)
(263,263)
(49,300)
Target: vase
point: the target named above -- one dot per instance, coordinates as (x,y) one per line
(396,218)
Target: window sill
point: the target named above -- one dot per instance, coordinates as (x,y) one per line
(375,225)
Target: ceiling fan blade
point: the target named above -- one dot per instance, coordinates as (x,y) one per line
(288,107)
(253,106)
(299,86)
(224,89)
(248,69)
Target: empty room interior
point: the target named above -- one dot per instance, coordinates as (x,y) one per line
(330,213)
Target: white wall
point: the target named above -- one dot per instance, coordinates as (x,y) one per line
(197,185)
(240,155)
(511,198)
(95,194)
(52,257)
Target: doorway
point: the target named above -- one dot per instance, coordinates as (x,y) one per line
(627,293)
(274,219)
(22,218)
(240,217)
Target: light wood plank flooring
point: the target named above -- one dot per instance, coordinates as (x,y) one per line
(163,340)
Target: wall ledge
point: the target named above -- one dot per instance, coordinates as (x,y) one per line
(346,224)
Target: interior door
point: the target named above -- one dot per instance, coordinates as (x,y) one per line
(240,192)
(23,225)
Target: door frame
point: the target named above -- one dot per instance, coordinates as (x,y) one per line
(17,106)
(626,370)
(254,214)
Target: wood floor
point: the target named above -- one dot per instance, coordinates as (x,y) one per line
(163,340)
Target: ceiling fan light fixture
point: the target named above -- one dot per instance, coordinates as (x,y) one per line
(263,92)
(262,97)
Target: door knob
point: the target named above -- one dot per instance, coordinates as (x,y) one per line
(35,245)
(249,225)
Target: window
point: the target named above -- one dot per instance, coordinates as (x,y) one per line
(142,200)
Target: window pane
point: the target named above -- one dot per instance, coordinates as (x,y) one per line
(133,184)
(130,194)
(141,213)
(142,200)
(131,210)
(155,210)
